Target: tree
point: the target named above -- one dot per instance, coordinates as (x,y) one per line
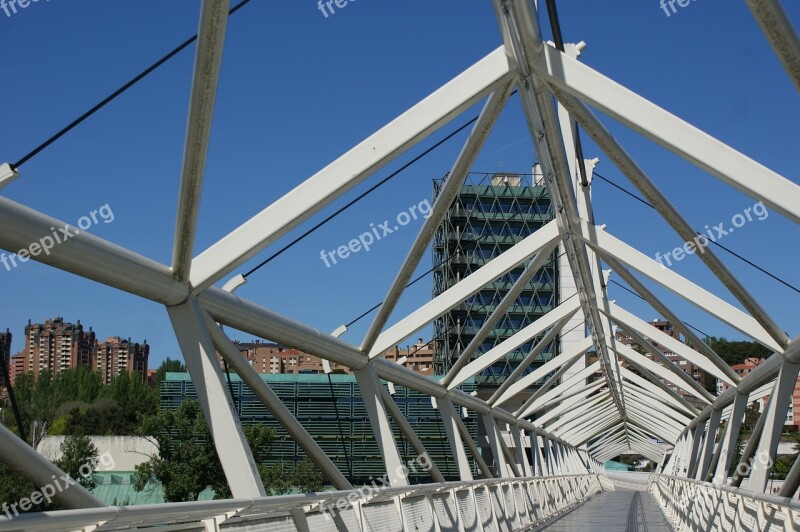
(735,352)
(79,460)
(187,462)
(15,487)
(168,366)
(307,477)
(751,415)
(283,477)
(738,452)
(710,383)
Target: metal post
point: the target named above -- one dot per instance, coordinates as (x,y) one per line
(449,420)
(695,451)
(409,434)
(776,419)
(750,448)
(708,450)
(369,385)
(274,404)
(734,427)
(519,447)
(501,467)
(215,400)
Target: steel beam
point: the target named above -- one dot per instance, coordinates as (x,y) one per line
(370,385)
(528,360)
(450,190)
(269,399)
(566,74)
(780,399)
(540,243)
(215,400)
(378,150)
(22,458)
(450,422)
(671,215)
(733,427)
(87,255)
(408,433)
(207,65)
(606,245)
(523,40)
(778,29)
(564,359)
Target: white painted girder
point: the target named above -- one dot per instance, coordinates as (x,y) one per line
(540,243)
(551,365)
(604,418)
(673,399)
(629,320)
(678,136)
(606,244)
(667,373)
(350,169)
(587,409)
(562,405)
(541,402)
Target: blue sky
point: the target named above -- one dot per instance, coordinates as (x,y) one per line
(299,89)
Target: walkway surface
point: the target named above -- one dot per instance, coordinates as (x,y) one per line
(611,511)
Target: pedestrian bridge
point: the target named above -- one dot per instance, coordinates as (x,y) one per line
(548,430)
(563,502)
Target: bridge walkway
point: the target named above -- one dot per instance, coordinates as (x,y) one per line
(615,511)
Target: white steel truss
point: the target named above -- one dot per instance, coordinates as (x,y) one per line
(623,401)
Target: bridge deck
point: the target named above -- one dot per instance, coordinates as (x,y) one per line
(610,511)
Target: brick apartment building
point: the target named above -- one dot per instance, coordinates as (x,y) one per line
(269,358)
(117,355)
(57,345)
(54,345)
(666,327)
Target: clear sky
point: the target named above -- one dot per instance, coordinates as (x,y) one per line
(299,89)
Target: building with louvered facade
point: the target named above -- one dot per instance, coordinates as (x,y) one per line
(331,408)
(490,215)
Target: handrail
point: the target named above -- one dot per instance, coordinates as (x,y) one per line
(553,495)
(794,504)
(691,504)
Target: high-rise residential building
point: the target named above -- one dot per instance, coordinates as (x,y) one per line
(55,345)
(5,353)
(117,355)
(485,220)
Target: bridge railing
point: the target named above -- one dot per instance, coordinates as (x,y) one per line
(694,505)
(496,504)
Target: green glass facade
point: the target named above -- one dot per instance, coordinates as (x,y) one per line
(329,409)
(484,221)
